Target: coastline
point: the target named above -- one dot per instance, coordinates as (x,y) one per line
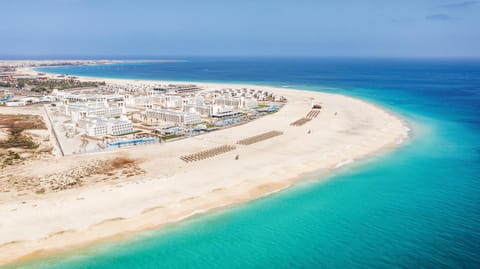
(241,185)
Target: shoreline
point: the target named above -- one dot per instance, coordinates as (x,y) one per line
(220,195)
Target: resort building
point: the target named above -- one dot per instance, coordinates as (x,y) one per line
(179,89)
(173,101)
(141,100)
(228,101)
(96,127)
(172,110)
(120,127)
(197,100)
(249,102)
(107,112)
(202,109)
(102,127)
(178,117)
(80,111)
(16,103)
(241,101)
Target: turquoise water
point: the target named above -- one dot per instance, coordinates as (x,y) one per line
(415,207)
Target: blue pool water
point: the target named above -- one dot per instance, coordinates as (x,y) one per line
(415,207)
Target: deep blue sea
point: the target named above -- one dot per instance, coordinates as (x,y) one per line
(415,207)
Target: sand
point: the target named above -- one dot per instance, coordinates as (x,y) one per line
(170,189)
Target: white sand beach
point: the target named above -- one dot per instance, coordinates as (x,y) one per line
(170,189)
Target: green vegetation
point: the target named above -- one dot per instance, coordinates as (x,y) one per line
(18,140)
(16,124)
(170,136)
(46,86)
(10,158)
(134,132)
(22,122)
(40,90)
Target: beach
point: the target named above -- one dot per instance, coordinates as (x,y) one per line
(167,189)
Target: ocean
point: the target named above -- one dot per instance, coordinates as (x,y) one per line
(415,207)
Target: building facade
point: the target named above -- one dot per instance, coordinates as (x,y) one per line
(101,127)
(179,117)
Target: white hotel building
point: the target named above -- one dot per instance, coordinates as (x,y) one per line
(102,127)
(236,102)
(81,111)
(174,116)
(120,127)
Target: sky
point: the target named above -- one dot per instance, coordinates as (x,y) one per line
(323,28)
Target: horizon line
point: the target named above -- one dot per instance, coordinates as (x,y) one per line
(184,57)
